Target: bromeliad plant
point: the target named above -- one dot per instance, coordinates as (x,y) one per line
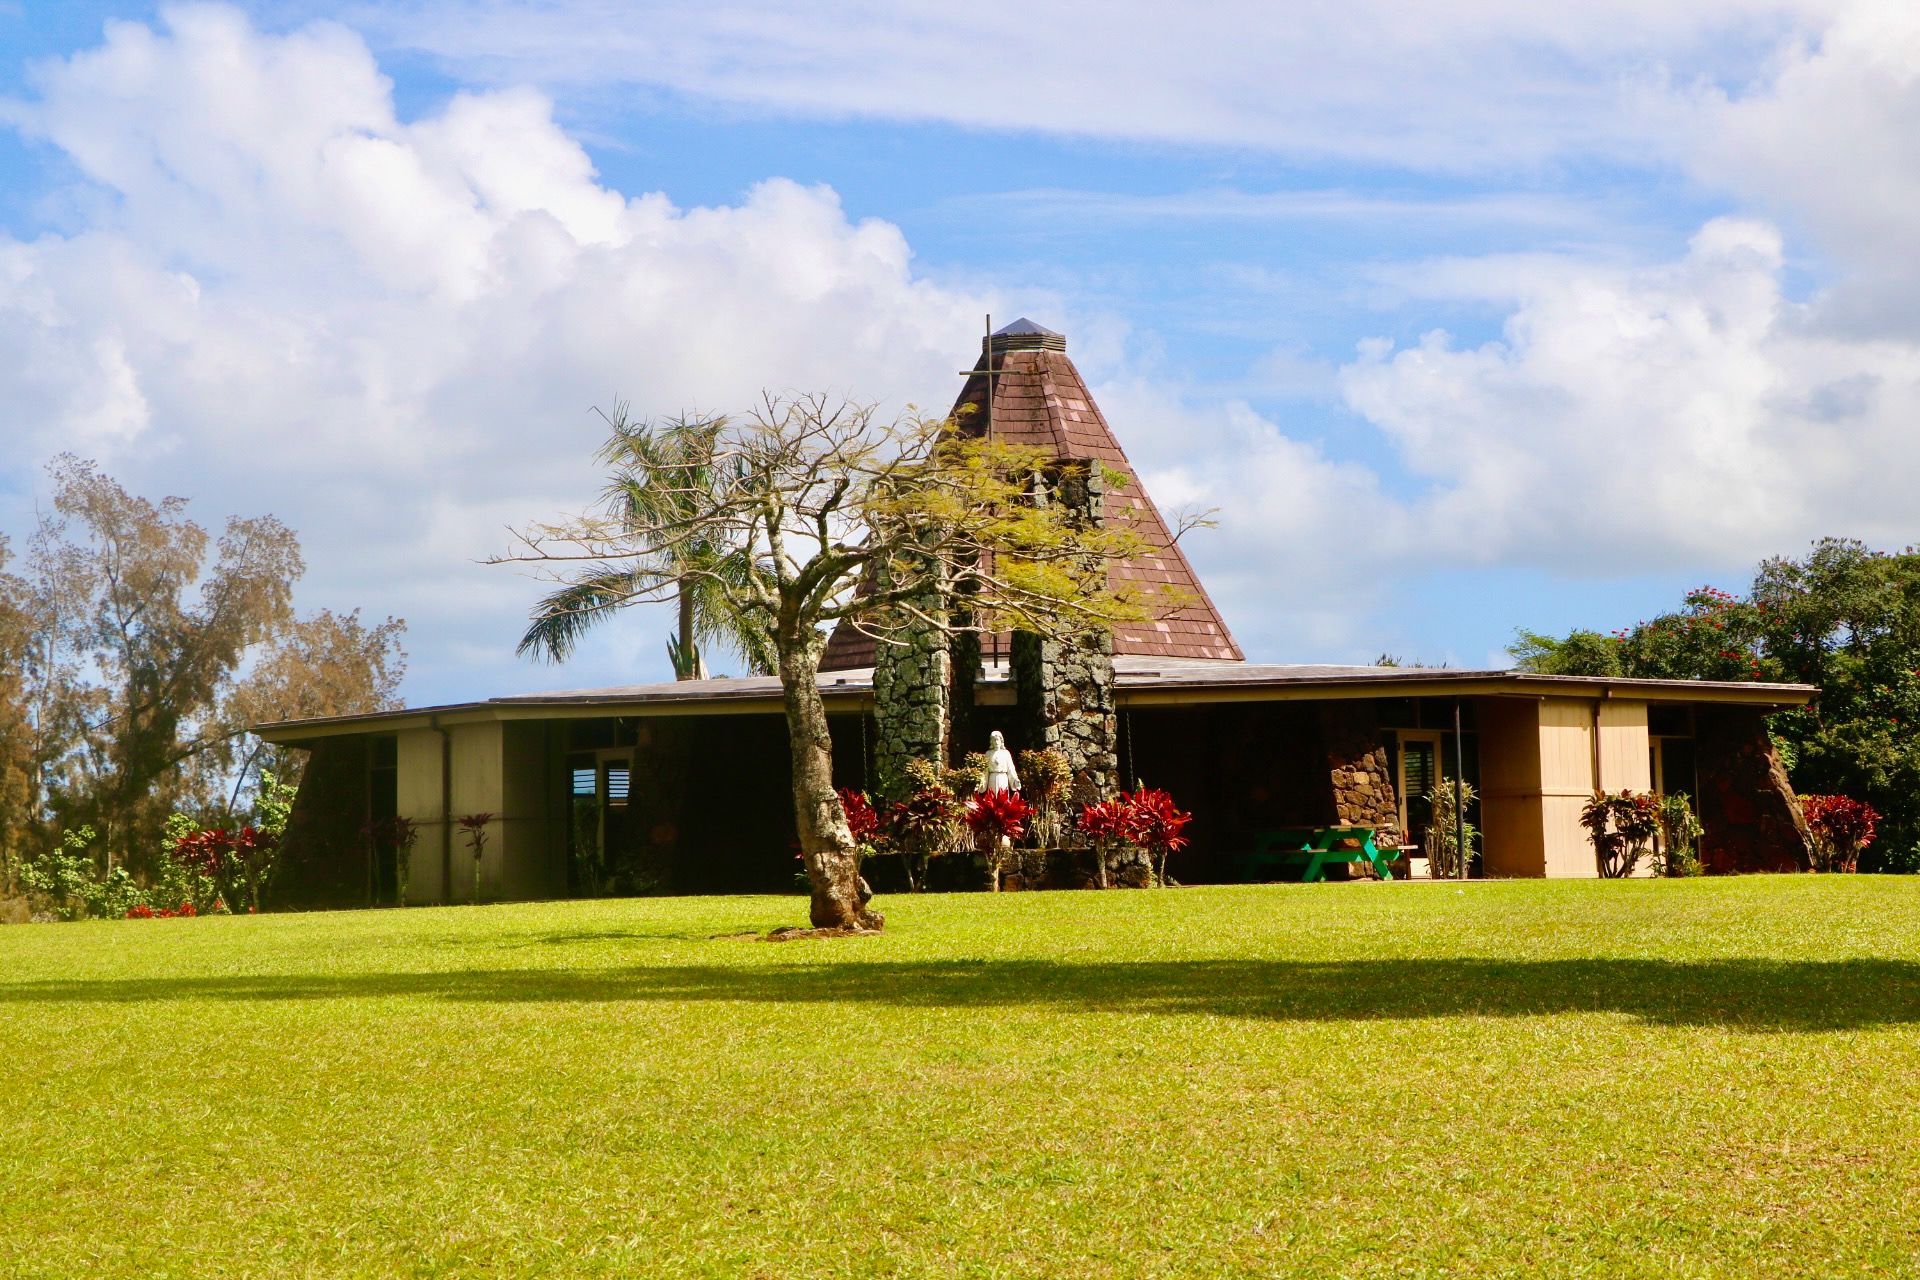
(1621,825)
(1842,828)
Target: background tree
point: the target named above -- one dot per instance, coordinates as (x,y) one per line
(139,650)
(661,477)
(1845,618)
(824,513)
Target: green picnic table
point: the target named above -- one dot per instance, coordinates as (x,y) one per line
(1315,846)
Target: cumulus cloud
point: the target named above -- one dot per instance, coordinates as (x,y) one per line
(1658,416)
(389,332)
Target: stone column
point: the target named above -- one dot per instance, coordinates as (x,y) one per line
(912,680)
(1064,692)
(1064,686)
(1362,786)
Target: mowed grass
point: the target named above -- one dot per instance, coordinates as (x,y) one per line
(1705,1078)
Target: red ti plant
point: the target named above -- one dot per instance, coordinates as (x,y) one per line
(1842,827)
(862,821)
(475,825)
(400,834)
(1156,826)
(997,819)
(1109,827)
(240,863)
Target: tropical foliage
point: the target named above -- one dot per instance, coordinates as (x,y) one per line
(136,651)
(1621,825)
(1844,618)
(1843,828)
(661,480)
(1449,840)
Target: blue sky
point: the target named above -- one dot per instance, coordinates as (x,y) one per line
(1472,317)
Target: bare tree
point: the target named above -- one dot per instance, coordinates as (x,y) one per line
(824,513)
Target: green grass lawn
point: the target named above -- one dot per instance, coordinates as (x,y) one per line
(1687,1078)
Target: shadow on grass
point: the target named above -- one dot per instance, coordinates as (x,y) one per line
(1756,995)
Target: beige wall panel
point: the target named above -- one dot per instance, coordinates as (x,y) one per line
(1512,840)
(1624,760)
(479,786)
(417,788)
(1566,746)
(1511,843)
(1568,855)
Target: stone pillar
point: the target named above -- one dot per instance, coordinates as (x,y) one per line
(912,681)
(1064,692)
(1362,785)
(1063,686)
(1752,818)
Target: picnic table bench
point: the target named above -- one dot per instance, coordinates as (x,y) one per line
(1314,846)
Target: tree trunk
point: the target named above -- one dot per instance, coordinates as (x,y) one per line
(688,662)
(826,845)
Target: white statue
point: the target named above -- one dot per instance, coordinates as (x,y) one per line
(1000,774)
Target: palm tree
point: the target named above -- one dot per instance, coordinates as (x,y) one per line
(661,475)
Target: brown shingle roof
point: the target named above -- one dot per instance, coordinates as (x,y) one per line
(1040,400)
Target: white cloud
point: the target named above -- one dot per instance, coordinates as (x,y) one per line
(1676,414)
(1461,86)
(1826,140)
(390,332)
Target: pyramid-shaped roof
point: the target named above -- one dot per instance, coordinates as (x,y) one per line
(1039,400)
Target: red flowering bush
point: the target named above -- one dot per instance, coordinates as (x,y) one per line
(239,862)
(1842,827)
(998,816)
(1621,825)
(185,911)
(862,821)
(997,819)
(1157,824)
(1147,820)
(928,819)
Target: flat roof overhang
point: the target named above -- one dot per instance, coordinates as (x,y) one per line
(1170,685)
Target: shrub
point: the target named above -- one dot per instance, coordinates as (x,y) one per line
(1157,824)
(1107,825)
(1448,841)
(400,834)
(1842,827)
(863,821)
(64,877)
(928,820)
(1621,825)
(1680,834)
(1044,777)
(997,819)
(475,825)
(239,863)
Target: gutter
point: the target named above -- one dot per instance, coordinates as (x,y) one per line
(446,807)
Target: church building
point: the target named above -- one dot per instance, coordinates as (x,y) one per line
(597,791)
